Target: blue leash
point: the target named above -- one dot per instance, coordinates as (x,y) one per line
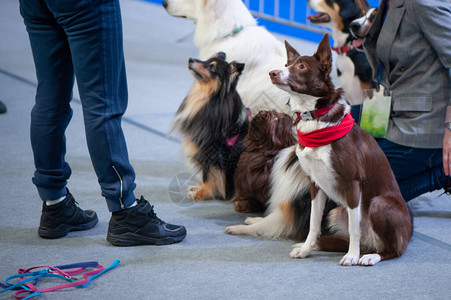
(37,274)
(34,276)
(113,265)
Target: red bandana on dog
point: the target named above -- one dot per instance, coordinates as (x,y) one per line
(327,135)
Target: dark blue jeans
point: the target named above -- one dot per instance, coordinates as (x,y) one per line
(417,171)
(81,38)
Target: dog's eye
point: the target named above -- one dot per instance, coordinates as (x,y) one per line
(301,66)
(211,67)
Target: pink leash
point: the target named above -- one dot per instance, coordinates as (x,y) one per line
(26,286)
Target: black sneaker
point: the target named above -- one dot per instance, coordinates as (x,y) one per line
(139,225)
(59,219)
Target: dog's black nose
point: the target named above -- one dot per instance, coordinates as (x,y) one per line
(165,3)
(354,27)
(190,60)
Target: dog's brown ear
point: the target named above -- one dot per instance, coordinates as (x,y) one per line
(324,55)
(292,54)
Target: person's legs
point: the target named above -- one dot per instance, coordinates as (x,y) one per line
(49,118)
(87,35)
(417,171)
(94,32)
(51,113)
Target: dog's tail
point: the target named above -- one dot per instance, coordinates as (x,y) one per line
(332,243)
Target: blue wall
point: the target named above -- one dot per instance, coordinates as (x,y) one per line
(300,16)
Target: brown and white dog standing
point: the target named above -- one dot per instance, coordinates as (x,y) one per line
(351,169)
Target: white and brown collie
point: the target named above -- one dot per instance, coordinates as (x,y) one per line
(353,69)
(338,160)
(228,26)
(213,123)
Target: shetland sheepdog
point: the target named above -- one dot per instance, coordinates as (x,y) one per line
(213,123)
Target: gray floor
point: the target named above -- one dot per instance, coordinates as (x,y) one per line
(208,263)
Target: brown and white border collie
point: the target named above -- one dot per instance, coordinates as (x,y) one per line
(351,169)
(213,122)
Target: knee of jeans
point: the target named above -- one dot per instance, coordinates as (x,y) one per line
(51,114)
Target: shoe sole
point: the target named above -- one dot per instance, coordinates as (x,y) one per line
(130,239)
(64,229)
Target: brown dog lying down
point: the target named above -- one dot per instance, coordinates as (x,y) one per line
(269,132)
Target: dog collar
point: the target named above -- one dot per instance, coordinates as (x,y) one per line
(314,114)
(235,31)
(232,140)
(325,136)
(342,49)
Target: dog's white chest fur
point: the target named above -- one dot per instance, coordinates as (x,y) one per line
(316,163)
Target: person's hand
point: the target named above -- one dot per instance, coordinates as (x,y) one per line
(447,152)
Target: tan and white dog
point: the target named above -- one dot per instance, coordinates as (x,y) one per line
(339,160)
(228,26)
(353,69)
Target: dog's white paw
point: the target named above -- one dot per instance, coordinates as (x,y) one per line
(370,259)
(192,190)
(349,260)
(236,230)
(250,220)
(300,251)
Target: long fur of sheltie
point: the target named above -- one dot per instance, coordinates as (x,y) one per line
(213,123)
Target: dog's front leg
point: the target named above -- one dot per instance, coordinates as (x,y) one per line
(273,226)
(354,216)
(318,202)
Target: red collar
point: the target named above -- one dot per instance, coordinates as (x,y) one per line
(325,136)
(342,49)
(314,114)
